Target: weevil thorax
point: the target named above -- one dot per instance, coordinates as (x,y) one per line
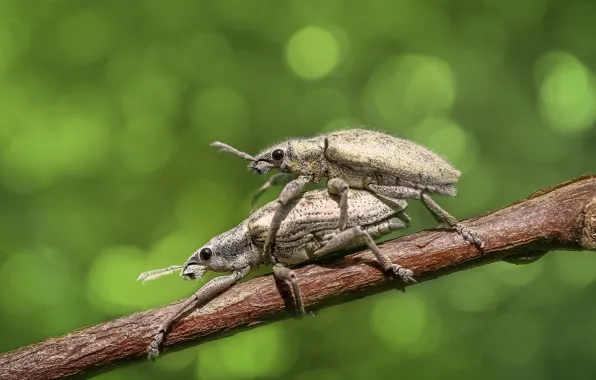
(226,252)
(306,157)
(295,156)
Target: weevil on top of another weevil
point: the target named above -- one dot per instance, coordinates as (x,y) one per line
(361,159)
(309,231)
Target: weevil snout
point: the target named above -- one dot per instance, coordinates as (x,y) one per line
(260,167)
(193,272)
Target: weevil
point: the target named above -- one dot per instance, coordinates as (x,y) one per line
(361,159)
(309,231)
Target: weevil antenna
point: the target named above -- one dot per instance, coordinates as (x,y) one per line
(153,274)
(226,148)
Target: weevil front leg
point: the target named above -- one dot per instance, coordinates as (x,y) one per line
(291,190)
(345,237)
(442,215)
(340,187)
(286,274)
(206,293)
(274,180)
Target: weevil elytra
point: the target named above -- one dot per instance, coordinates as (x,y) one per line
(308,231)
(360,159)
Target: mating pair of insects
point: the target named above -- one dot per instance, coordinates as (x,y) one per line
(370,175)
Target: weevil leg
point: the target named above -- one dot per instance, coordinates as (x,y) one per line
(440,214)
(274,180)
(340,187)
(286,274)
(347,236)
(468,235)
(205,294)
(291,190)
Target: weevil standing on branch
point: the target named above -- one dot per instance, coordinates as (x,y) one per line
(385,165)
(308,231)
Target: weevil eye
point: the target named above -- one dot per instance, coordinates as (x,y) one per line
(205,254)
(277,154)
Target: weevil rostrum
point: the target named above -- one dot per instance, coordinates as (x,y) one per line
(309,231)
(383,164)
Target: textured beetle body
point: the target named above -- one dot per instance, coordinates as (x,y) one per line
(309,231)
(308,224)
(360,159)
(312,219)
(388,161)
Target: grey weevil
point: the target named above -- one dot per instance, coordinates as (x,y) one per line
(361,159)
(309,231)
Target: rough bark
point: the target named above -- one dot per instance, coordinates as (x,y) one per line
(562,217)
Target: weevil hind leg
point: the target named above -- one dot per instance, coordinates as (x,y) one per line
(286,274)
(340,187)
(274,180)
(468,235)
(436,210)
(290,191)
(343,238)
(206,293)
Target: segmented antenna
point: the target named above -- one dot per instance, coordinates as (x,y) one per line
(226,148)
(153,274)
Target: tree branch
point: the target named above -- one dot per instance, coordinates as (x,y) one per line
(563,217)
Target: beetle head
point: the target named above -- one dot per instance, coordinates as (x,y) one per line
(273,157)
(198,263)
(296,156)
(228,251)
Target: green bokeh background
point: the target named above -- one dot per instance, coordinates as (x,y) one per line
(107,109)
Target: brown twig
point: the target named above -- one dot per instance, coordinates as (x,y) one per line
(563,217)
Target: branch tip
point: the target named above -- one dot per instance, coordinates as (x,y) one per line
(588,226)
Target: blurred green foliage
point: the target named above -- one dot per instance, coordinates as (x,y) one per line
(107,109)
